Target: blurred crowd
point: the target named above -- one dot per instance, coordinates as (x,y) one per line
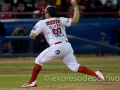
(38,6)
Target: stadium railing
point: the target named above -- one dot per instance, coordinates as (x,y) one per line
(115,14)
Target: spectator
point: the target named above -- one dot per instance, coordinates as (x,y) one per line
(36,14)
(42,9)
(15,3)
(108,7)
(21,8)
(91,8)
(1,3)
(30,5)
(25,28)
(114,2)
(118,5)
(16,30)
(19,46)
(4,1)
(97,3)
(5,8)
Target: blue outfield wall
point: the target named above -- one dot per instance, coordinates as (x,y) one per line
(86,28)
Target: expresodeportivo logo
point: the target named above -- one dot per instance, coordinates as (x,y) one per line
(85,78)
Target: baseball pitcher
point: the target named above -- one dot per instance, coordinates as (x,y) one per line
(53,29)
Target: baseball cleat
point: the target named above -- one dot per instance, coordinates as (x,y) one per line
(100,75)
(33,84)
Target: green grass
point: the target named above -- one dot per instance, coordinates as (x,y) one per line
(15,80)
(54,73)
(55,66)
(61,66)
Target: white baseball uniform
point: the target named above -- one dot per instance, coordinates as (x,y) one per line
(55,34)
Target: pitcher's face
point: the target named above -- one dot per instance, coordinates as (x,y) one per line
(47,15)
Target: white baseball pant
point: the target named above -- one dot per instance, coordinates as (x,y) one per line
(61,50)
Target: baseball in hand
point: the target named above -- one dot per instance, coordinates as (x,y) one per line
(73,2)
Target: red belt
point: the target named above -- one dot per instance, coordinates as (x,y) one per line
(59,42)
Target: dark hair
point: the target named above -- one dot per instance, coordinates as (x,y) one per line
(53,14)
(51,10)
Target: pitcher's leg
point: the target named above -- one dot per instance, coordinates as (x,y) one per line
(36,69)
(71,62)
(45,56)
(97,74)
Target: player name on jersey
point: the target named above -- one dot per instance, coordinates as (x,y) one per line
(52,22)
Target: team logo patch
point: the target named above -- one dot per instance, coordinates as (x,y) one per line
(35,27)
(57,51)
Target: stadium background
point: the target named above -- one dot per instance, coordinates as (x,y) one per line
(98,23)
